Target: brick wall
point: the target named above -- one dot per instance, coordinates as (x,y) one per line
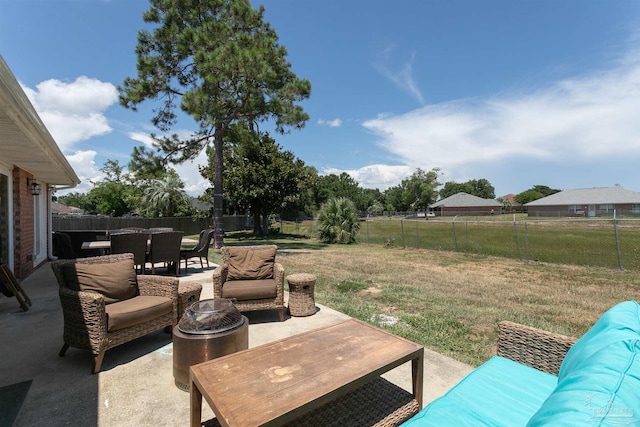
(22,224)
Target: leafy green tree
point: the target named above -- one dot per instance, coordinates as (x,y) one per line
(369,198)
(146,165)
(544,190)
(338,221)
(307,202)
(393,199)
(476,187)
(376,208)
(163,196)
(334,186)
(262,177)
(115,195)
(451,187)
(527,196)
(419,190)
(75,199)
(534,193)
(482,188)
(220,63)
(506,204)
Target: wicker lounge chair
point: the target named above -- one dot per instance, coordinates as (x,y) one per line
(251,276)
(90,317)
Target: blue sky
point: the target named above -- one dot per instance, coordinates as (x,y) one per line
(517,92)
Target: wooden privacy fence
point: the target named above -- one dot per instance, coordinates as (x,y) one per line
(190,225)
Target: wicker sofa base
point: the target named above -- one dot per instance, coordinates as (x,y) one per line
(188,293)
(378,403)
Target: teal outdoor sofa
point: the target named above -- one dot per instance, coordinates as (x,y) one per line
(544,379)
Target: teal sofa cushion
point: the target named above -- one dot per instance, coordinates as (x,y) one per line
(599,380)
(500,392)
(620,322)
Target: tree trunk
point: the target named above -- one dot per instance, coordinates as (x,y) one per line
(218,225)
(256,224)
(265,224)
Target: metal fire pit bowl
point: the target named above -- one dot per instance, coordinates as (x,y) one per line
(208,329)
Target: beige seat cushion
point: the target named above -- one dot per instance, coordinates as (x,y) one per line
(251,264)
(116,281)
(136,310)
(244,290)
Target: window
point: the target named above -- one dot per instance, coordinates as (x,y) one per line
(608,208)
(635,208)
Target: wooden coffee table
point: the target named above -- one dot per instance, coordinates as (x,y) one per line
(278,382)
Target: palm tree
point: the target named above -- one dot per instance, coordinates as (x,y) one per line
(338,221)
(163,195)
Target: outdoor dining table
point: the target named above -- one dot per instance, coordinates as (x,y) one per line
(106,244)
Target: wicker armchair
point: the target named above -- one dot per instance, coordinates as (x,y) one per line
(86,323)
(234,279)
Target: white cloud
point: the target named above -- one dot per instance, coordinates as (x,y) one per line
(189,172)
(73,112)
(375,176)
(335,123)
(587,118)
(142,137)
(83,163)
(402,77)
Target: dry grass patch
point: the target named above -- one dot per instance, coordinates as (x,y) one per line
(451,302)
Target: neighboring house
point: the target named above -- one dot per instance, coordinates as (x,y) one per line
(31,168)
(511,205)
(60,209)
(587,202)
(465,204)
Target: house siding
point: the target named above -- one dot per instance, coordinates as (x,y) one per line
(465,210)
(563,210)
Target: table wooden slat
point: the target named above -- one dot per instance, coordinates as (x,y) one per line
(279,381)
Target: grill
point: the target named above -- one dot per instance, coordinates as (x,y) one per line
(208,329)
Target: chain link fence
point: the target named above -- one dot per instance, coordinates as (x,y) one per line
(611,243)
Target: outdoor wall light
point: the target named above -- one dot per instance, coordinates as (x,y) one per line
(33,186)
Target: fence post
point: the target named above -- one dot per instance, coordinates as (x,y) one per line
(455,236)
(402,231)
(515,229)
(466,235)
(615,228)
(526,242)
(367,225)
(417,235)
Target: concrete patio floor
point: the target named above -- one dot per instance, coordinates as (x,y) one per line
(136,384)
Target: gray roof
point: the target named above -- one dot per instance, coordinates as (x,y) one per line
(589,196)
(464,200)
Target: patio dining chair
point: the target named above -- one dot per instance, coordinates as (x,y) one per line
(135,243)
(200,251)
(165,248)
(62,247)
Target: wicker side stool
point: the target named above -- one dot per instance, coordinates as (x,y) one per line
(188,293)
(301,299)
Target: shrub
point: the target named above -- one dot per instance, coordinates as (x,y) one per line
(338,221)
